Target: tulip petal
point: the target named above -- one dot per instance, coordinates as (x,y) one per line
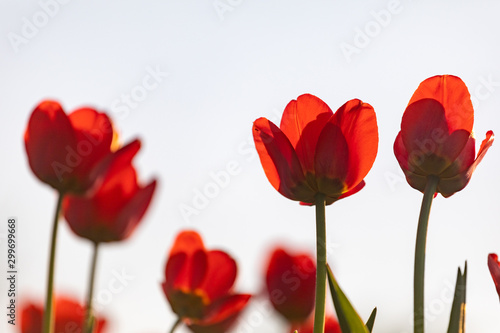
(452,93)
(48,154)
(290,283)
(494,267)
(31,318)
(94,133)
(175,265)
(221,315)
(133,211)
(432,147)
(113,163)
(449,186)
(302,122)
(352,191)
(463,161)
(220,274)
(187,241)
(280,162)
(358,123)
(331,161)
(187,264)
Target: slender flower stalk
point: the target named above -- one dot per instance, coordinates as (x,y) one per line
(419,272)
(176,324)
(48,320)
(319,314)
(89,320)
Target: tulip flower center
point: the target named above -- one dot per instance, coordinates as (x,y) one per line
(189,304)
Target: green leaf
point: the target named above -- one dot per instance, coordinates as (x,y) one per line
(349,320)
(371,320)
(457,316)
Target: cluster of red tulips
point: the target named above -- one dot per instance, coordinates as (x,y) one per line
(315,157)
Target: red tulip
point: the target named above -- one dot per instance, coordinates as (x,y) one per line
(69,317)
(315,151)
(115,209)
(436,136)
(290,282)
(331,326)
(64,151)
(198,285)
(494,266)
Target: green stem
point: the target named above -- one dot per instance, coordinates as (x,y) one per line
(48,320)
(419,272)
(89,322)
(177,322)
(319,315)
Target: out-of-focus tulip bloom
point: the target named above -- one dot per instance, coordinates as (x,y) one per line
(69,317)
(315,151)
(436,137)
(331,326)
(494,266)
(64,151)
(290,283)
(117,206)
(198,285)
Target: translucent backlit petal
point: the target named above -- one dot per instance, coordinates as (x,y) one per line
(452,93)
(358,123)
(279,160)
(494,267)
(302,122)
(220,275)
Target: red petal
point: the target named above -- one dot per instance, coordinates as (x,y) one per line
(114,163)
(485,145)
(352,191)
(220,274)
(302,122)
(431,145)
(401,153)
(280,162)
(290,282)
(132,213)
(191,273)
(48,137)
(221,315)
(187,241)
(331,161)
(94,134)
(331,326)
(494,266)
(449,186)
(31,318)
(358,123)
(175,273)
(453,95)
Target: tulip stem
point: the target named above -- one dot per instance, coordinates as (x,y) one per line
(177,322)
(319,315)
(418,277)
(48,318)
(89,320)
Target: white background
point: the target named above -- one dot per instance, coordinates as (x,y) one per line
(227,66)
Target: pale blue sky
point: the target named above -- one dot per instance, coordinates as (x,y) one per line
(189,78)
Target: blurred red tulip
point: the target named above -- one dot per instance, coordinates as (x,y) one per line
(315,151)
(198,285)
(69,317)
(64,151)
(290,282)
(436,137)
(331,326)
(117,206)
(494,266)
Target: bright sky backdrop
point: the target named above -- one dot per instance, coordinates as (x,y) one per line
(189,78)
